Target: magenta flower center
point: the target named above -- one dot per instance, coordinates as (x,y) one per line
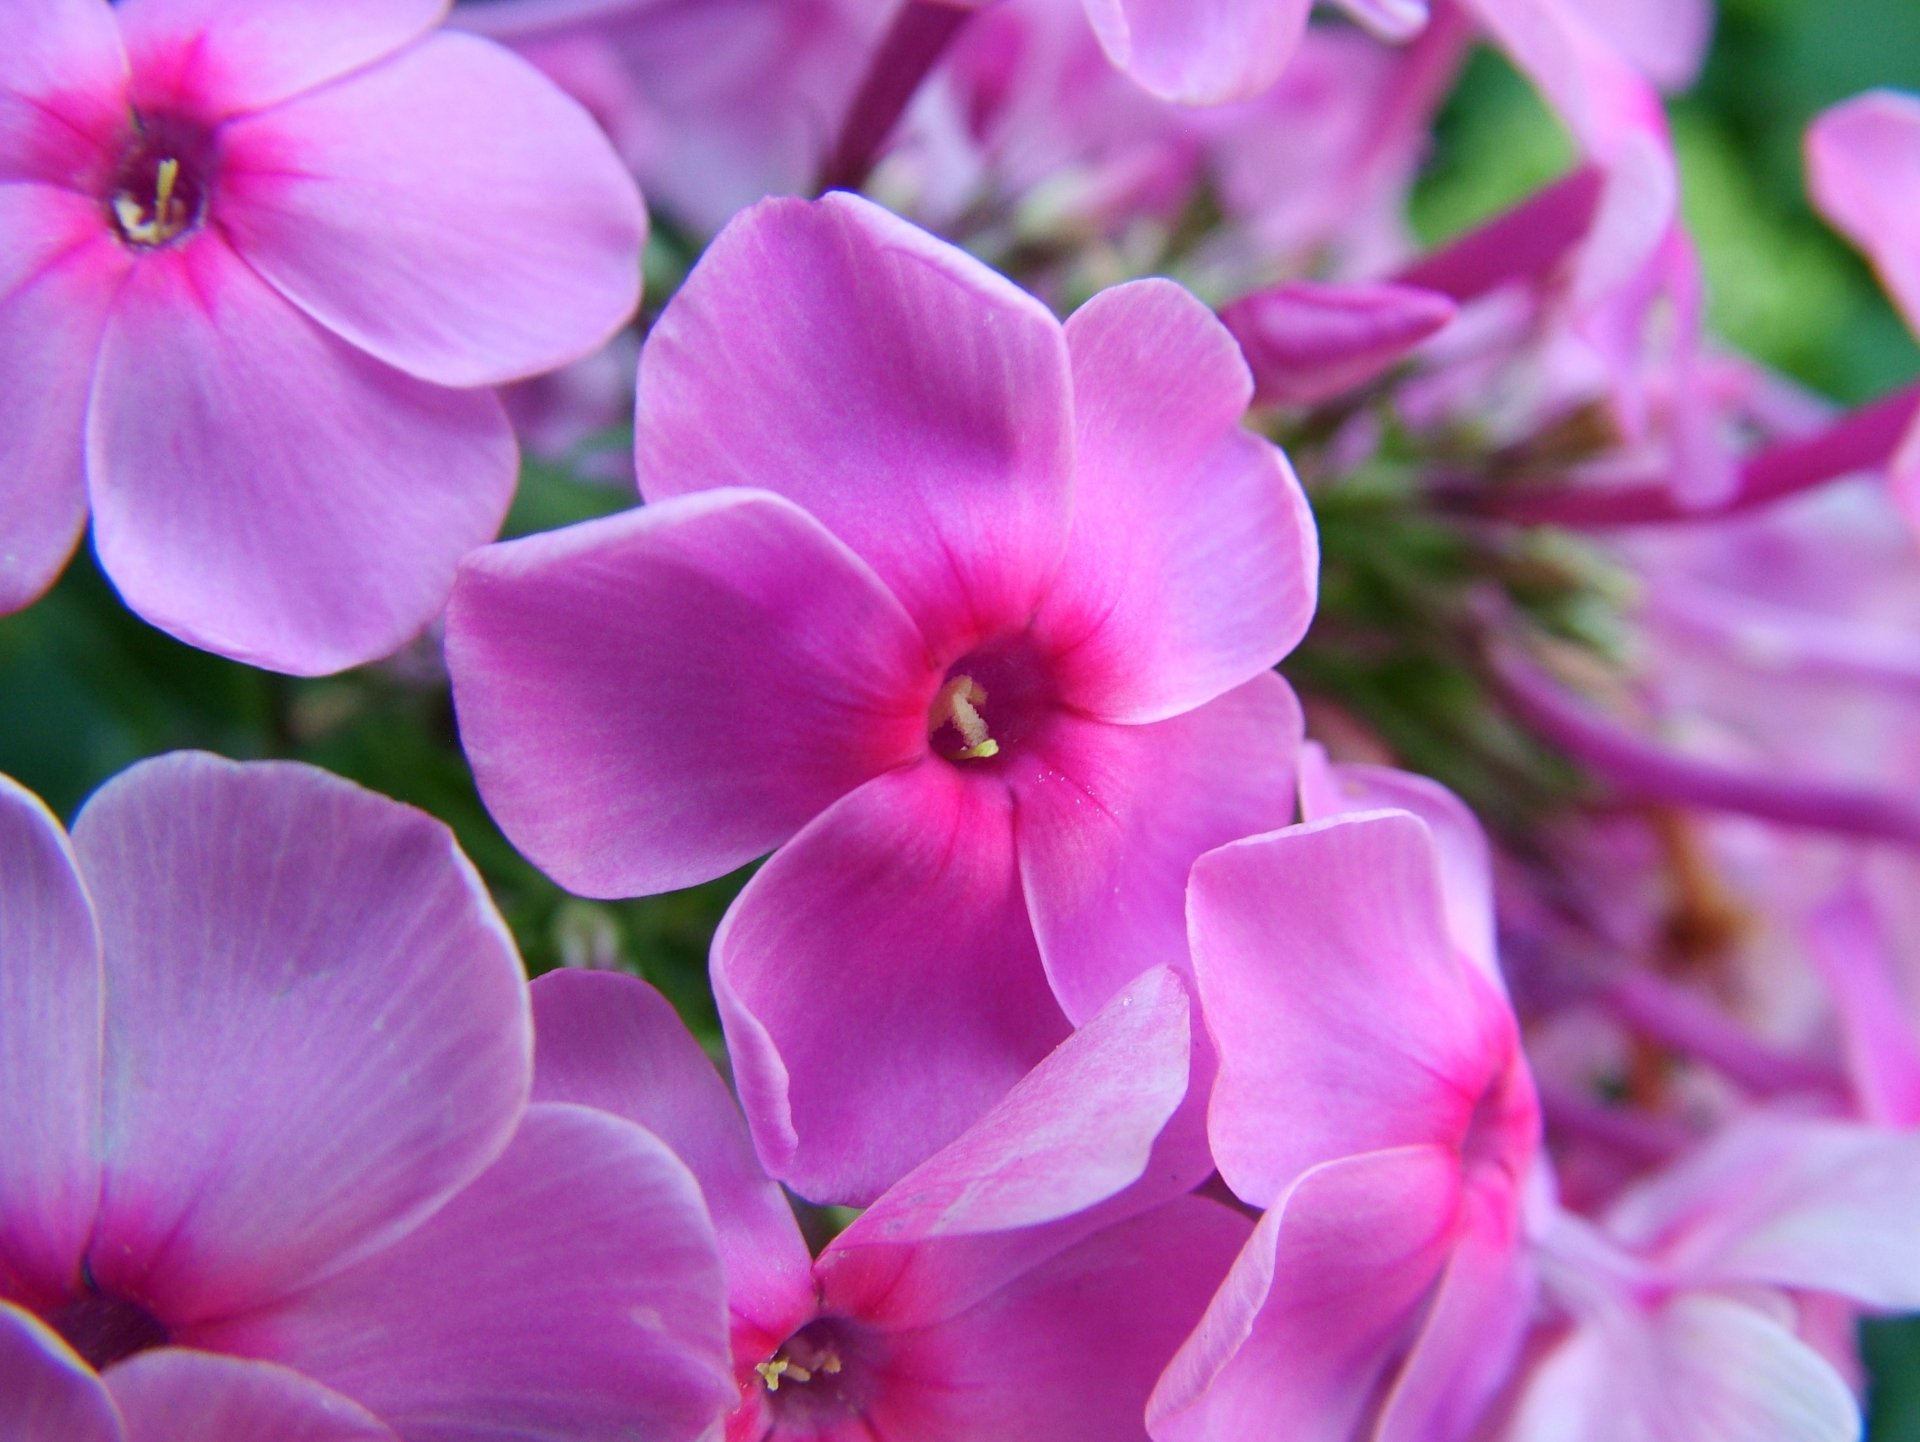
(820,1375)
(1501,1132)
(992,699)
(159,191)
(105,1329)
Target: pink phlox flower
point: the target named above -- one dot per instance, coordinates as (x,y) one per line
(271,1169)
(969,613)
(258,264)
(1026,1283)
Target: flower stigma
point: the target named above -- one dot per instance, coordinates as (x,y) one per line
(167,217)
(958,705)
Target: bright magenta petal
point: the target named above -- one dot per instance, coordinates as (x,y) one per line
(216,58)
(1332,990)
(1111,819)
(316,1025)
(910,398)
(654,699)
(231,1400)
(879,982)
(1201,52)
(573,1291)
(63,77)
(261,489)
(50,1011)
(614,1043)
(450,212)
(1863,171)
(58,277)
(1192,562)
(46,1393)
(1318,1306)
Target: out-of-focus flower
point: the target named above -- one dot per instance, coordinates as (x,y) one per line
(265,1056)
(256,263)
(984,651)
(1028,1282)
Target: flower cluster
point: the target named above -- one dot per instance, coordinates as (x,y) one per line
(1337,816)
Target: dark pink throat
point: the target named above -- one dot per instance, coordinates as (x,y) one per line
(823,1375)
(992,701)
(105,1329)
(159,192)
(1504,1129)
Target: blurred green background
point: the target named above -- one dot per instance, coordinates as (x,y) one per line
(86,688)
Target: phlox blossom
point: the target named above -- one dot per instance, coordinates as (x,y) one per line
(969,613)
(270,1168)
(1026,1283)
(259,262)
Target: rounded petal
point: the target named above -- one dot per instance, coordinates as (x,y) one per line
(451,212)
(879,983)
(227,1399)
(264,491)
(316,1022)
(573,1291)
(1319,1304)
(50,1021)
(1192,563)
(217,58)
(46,1393)
(907,396)
(1111,819)
(1328,978)
(1201,52)
(614,1043)
(1863,172)
(58,277)
(63,103)
(653,699)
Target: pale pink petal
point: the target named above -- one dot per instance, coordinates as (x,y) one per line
(1466,861)
(63,106)
(1820,1205)
(573,1291)
(316,1023)
(1192,561)
(1856,960)
(1111,819)
(1309,342)
(614,1043)
(215,58)
(1070,1349)
(168,1394)
(1319,1304)
(1863,172)
(879,982)
(46,1393)
(654,699)
(1665,39)
(50,1019)
(910,398)
(59,274)
(1200,52)
(450,212)
(270,493)
(1395,21)
(1700,1369)
(1328,978)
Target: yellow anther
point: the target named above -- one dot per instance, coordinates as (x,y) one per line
(958,705)
(165,221)
(782,1369)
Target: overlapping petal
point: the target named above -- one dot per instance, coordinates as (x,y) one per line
(1863,172)
(63,74)
(226,1399)
(46,1393)
(1200,52)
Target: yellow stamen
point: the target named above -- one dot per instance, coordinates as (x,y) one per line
(165,221)
(958,705)
(785,1369)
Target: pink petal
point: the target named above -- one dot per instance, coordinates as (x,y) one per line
(1863,172)
(1111,819)
(1701,1369)
(216,58)
(230,1400)
(1824,1206)
(316,1020)
(450,212)
(654,699)
(269,493)
(573,1291)
(1318,1305)
(58,277)
(1327,977)
(879,982)
(614,1043)
(1855,958)
(46,1393)
(1071,1348)
(1192,561)
(910,398)
(1395,21)
(63,77)
(1666,40)
(50,1010)
(1310,342)
(1200,52)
